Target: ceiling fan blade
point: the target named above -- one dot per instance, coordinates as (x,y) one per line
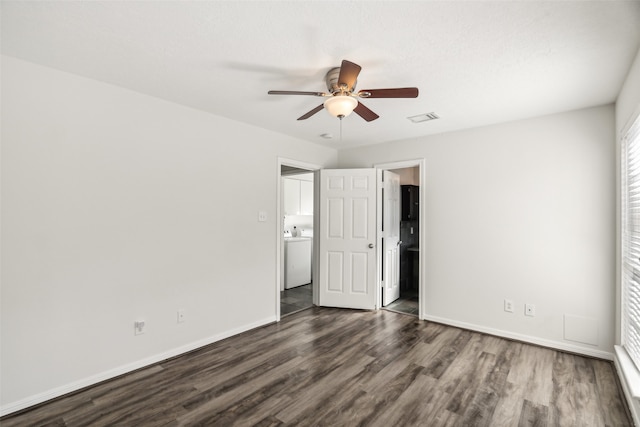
(364,112)
(401,92)
(348,74)
(295,92)
(311,113)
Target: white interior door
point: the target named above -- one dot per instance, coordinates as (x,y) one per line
(347,238)
(391,237)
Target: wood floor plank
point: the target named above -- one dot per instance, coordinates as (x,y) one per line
(338,367)
(536,368)
(357,407)
(525,378)
(509,407)
(377,375)
(453,379)
(533,415)
(269,421)
(477,408)
(318,386)
(387,396)
(412,406)
(113,412)
(50,414)
(346,407)
(607,389)
(211,406)
(447,354)
(566,408)
(224,381)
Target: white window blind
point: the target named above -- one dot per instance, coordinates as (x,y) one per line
(630,195)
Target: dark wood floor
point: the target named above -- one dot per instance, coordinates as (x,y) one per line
(337,367)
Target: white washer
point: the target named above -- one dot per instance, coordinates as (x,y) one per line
(308,232)
(297,261)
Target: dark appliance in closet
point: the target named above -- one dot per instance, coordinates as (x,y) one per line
(409,250)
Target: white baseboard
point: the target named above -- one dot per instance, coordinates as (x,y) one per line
(112,373)
(600,354)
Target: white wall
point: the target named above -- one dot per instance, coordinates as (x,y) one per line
(116,207)
(522,210)
(408,176)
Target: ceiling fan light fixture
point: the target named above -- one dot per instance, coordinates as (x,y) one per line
(340,105)
(341,84)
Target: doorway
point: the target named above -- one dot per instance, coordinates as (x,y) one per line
(409,265)
(296,224)
(356,277)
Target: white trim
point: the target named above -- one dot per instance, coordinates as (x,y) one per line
(600,354)
(626,370)
(379,236)
(630,121)
(280,233)
(112,373)
(620,136)
(627,239)
(629,371)
(420,163)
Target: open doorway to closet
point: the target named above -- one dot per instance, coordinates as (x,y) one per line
(407,239)
(297,225)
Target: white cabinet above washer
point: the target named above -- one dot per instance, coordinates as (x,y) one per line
(298,195)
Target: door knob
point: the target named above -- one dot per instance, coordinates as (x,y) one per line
(370,245)
(399,242)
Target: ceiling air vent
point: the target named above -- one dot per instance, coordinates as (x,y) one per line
(423,117)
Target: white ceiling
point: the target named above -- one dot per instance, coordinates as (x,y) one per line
(475,63)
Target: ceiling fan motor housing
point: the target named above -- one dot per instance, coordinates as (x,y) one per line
(332,81)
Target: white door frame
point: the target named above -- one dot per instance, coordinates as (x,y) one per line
(421,218)
(282,161)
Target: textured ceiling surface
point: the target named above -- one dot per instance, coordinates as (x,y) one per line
(475,62)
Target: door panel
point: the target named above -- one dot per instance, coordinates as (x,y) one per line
(391,237)
(359,266)
(347,238)
(359,225)
(335,270)
(335,218)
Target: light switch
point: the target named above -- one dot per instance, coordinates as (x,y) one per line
(262,216)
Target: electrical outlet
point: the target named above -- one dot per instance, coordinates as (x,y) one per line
(139,327)
(262,216)
(508,306)
(181,316)
(529,310)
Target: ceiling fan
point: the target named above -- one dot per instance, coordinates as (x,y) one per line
(341,98)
